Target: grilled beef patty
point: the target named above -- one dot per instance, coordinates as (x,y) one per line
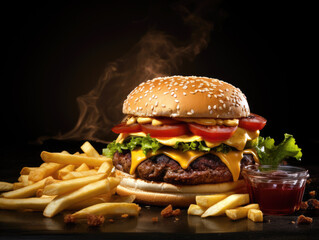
(161,168)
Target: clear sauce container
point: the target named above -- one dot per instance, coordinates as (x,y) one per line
(277,189)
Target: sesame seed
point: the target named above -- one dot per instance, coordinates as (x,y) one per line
(211,112)
(152,107)
(146,104)
(163,105)
(209,107)
(221,101)
(176,101)
(172,93)
(175,95)
(220,107)
(214,106)
(184,93)
(208,95)
(156,103)
(177,107)
(185,87)
(165,93)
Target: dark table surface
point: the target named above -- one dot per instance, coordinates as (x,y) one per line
(33,225)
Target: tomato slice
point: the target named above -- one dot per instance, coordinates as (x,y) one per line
(123,128)
(172,130)
(212,133)
(253,122)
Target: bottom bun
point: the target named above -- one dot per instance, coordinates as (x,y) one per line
(162,194)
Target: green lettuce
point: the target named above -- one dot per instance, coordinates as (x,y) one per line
(146,143)
(271,154)
(151,144)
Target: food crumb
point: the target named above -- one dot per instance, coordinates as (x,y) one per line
(124,215)
(169,212)
(312,193)
(292,222)
(111,220)
(154,219)
(313,204)
(303,205)
(94,220)
(69,219)
(304,220)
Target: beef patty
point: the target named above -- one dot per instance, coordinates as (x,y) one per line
(161,168)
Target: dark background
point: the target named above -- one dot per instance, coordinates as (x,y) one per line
(54,52)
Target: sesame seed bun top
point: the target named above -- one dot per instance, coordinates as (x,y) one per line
(191,97)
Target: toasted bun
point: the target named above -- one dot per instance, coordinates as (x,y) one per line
(162,194)
(180,96)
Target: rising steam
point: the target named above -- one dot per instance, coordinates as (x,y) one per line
(156,54)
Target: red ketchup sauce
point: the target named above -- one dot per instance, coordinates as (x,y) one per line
(277,191)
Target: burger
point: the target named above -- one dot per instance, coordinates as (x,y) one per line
(183,136)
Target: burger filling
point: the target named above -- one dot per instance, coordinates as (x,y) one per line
(183,151)
(161,168)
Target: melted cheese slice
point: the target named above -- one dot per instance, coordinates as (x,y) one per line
(238,140)
(231,159)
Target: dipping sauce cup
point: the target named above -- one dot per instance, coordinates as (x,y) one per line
(277,189)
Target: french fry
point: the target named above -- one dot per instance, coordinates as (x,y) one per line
(111,209)
(232,201)
(240,212)
(24,179)
(27,170)
(50,181)
(89,150)
(206,201)
(73,174)
(82,167)
(255,215)
(65,170)
(105,168)
(93,189)
(73,159)
(194,209)
(91,201)
(27,191)
(44,171)
(5,186)
(39,192)
(63,187)
(17,185)
(37,204)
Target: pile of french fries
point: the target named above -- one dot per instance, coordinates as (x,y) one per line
(229,204)
(81,181)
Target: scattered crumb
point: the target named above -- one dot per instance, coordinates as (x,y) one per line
(309,181)
(154,219)
(303,205)
(111,220)
(94,220)
(124,215)
(292,222)
(312,193)
(176,212)
(313,204)
(304,220)
(169,212)
(69,219)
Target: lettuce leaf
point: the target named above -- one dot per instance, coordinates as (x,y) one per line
(146,143)
(151,144)
(271,154)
